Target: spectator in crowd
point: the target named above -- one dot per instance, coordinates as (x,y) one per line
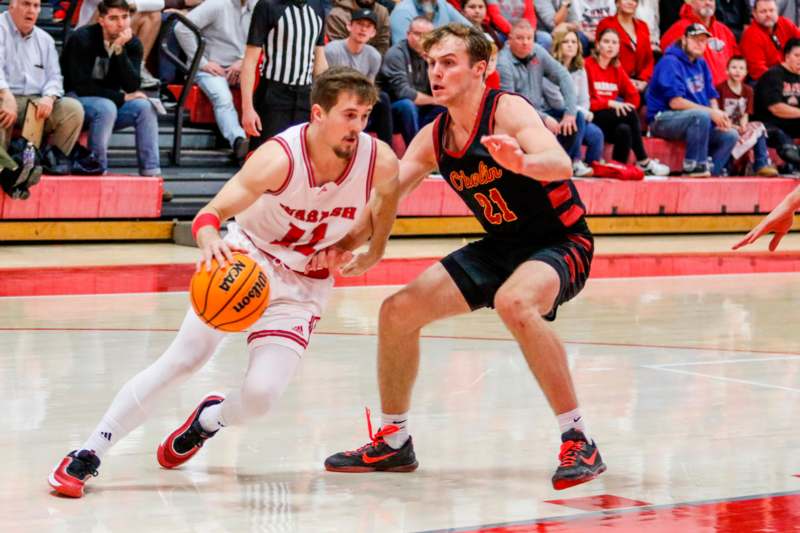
(591,13)
(648,13)
(735,14)
(635,49)
(492,76)
(523,65)
(405,76)
(763,40)
(556,16)
(291,35)
(476,12)
(777,97)
(614,100)
(224,24)
(145,24)
(339,17)
(682,105)
(668,14)
(356,53)
(102,65)
(788,9)
(567,50)
(438,12)
(29,71)
(736,100)
(722,44)
(494,16)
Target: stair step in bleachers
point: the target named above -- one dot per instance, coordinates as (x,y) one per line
(88,197)
(193,138)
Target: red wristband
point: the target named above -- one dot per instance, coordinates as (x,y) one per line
(206,219)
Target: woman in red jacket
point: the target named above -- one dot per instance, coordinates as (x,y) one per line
(635,49)
(613,99)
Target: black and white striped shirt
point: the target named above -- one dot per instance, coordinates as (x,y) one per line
(288,31)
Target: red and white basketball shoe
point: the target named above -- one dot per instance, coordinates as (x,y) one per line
(70,475)
(181,445)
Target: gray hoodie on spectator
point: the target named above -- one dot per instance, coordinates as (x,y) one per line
(546,13)
(526,77)
(404,73)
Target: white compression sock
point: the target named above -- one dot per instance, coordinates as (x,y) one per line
(573,420)
(396,440)
(194,344)
(271,369)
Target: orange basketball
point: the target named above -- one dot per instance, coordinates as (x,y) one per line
(230,298)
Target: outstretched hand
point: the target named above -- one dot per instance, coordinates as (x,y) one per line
(505,150)
(778,222)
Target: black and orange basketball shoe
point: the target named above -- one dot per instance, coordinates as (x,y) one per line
(376,455)
(181,445)
(70,475)
(580,461)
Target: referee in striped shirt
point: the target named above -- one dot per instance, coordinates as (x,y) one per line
(291,34)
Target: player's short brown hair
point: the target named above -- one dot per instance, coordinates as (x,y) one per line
(479,48)
(327,87)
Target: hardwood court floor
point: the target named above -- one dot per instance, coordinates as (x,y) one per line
(691,386)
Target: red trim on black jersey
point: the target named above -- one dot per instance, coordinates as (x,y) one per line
(581,241)
(571,215)
(559,195)
(291,335)
(373,155)
(288,151)
(437,150)
(491,113)
(475,126)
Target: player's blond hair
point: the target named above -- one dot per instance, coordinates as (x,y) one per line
(479,48)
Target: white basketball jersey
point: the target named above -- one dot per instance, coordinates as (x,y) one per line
(301,217)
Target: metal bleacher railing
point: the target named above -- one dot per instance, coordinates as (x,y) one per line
(187,66)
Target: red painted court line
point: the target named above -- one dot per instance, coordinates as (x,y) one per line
(598,502)
(771,512)
(445,337)
(175,278)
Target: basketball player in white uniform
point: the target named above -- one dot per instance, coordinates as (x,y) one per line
(300,208)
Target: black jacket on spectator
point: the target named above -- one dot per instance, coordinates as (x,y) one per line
(404,73)
(89,71)
(735,14)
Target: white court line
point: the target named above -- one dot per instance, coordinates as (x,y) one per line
(722,378)
(726,361)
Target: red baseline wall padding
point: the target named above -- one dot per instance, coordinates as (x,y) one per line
(670,196)
(88,197)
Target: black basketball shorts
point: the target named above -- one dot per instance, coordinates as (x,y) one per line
(481,267)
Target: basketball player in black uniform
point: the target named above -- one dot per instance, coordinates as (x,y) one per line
(494,151)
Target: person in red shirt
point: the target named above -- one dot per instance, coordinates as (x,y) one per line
(476,12)
(763,40)
(492,15)
(635,52)
(613,99)
(721,45)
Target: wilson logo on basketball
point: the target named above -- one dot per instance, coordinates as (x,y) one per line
(253,294)
(233,273)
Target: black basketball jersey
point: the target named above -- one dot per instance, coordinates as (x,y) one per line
(507,204)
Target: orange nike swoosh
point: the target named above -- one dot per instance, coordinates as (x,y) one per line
(590,461)
(369,460)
